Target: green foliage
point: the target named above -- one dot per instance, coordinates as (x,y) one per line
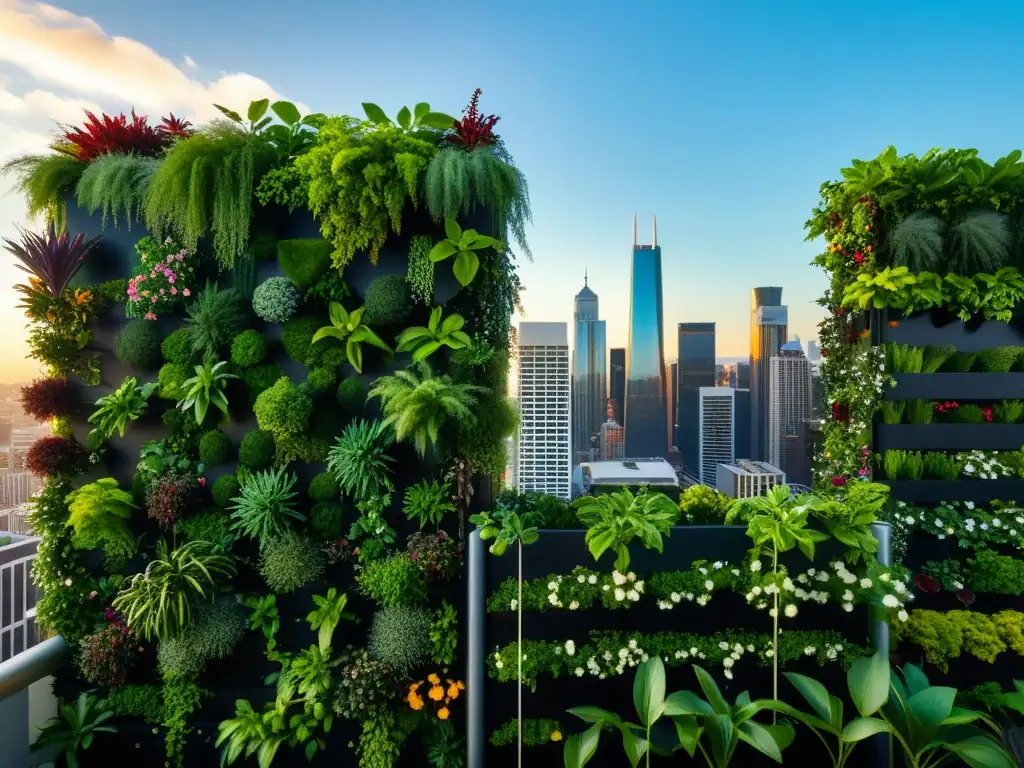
(420,275)
(400,637)
(127,403)
(98,515)
(536,732)
(112,291)
(425,341)
(170,380)
(177,348)
(351,395)
(960,362)
(134,700)
(444,634)
(265,505)
(359,459)
(325,519)
(997,359)
(349,327)
(482,441)
(215,448)
(218,627)
(75,727)
(459,182)
(215,317)
(181,698)
(916,242)
(387,300)
(248,348)
(43,180)
(321,379)
(276,300)
(419,120)
(995,573)
(225,489)
(138,345)
(116,184)
(395,580)
(260,378)
(360,182)
(324,487)
(463,245)
(1008,411)
(701,505)
(158,603)
(283,410)
(304,261)
(211,524)
(943,636)
(329,287)
(428,502)
(979,242)
(541,509)
(777,523)
(614,520)
(257,450)
(290,561)
(364,684)
(206,388)
(297,339)
(283,186)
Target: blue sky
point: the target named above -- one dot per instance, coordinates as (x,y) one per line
(720,117)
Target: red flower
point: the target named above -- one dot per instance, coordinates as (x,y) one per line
(824,351)
(858,257)
(473,129)
(840,412)
(926,584)
(105,134)
(838,481)
(987,412)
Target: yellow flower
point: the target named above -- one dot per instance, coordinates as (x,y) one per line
(556,735)
(415,686)
(436,693)
(82,297)
(433,679)
(453,691)
(416,702)
(462,685)
(442,713)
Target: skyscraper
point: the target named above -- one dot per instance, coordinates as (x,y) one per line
(673,403)
(612,445)
(589,376)
(544,405)
(716,438)
(742,375)
(646,415)
(741,436)
(790,408)
(696,369)
(617,381)
(768,320)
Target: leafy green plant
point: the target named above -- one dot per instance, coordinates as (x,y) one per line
(218,627)
(276,300)
(394,580)
(138,346)
(283,410)
(170,380)
(304,261)
(701,505)
(206,388)
(1008,411)
(536,732)
(329,612)
(886,288)
(893,410)
(916,242)
(420,274)
(44,180)
(248,348)
(225,489)
(425,341)
(904,358)
(428,502)
(256,450)
(323,487)
(995,573)
(351,396)
(325,518)
(463,245)
(349,327)
(215,448)
(387,300)
(127,403)
(265,505)
(215,317)
(359,459)
(614,520)
(158,602)
(98,513)
(919,411)
(116,184)
(934,465)
(400,637)
(290,561)
(75,727)
(997,359)
(444,634)
(410,121)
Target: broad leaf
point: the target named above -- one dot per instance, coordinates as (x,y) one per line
(687,703)
(635,746)
(590,714)
(376,114)
(404,118)
(688,732)
(982,752)
(761,739)
(452,230)
(649,691)
(710,688)
(438,120)
(286,111)
(816,695)
(258,109)
(229,113)
(868,679)
(329,331)
(420,110)
(579,749)
(925,712)
(442,251)
(465,268)
(863,728)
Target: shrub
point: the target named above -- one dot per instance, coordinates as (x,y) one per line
(183,434)
(481,442)
(177,348)
(364,685)
(225,489)
(214,319)
(297,340)
(351,396)
(49,456)
(108,655)
(321,379)
(428,502)
(400,637)
(435,554)
(701,505)
(46,398)
(290,561)
(276,300)
(217,628)
(997,359)
(260,378)
(395,580)
(387,301)
(420,274)
(330,287)
(283,410)
(257,450)
(171,497)
(211,524)
(359,460)
(325,519)
(304,260)
(323,487)
(133,700)
(215,448)
(138,345)
(170,380)
(262,509)
(248,348)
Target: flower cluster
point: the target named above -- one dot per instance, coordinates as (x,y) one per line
(437,555)
(697,585)
(171,496)
(364,684)
(109,654)
(439,694)
(165,278)
(972,527)
(984,465)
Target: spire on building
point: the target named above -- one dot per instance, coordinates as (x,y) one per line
(634,230)
(654,232)
(584,277)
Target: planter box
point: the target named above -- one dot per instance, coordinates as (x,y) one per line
(949,437)
(933,328)
(957,386)
(937,491)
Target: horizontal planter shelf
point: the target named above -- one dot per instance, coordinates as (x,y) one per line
(936,491)
(950,437)
(957,386)
(921,330)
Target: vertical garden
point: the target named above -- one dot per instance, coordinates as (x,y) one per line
(276,350)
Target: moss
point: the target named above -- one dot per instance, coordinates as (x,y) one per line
(321,379)
(387,301)
(177,348)
(351,396)
(482,442)
(997,359)
(257,450)
(210,524)
(297,340)
(138,345)
(324,487)
(284,410)
(170,379)
(225,489)
(248,348)
(215,448)
(325,518)
(304,260)
(260,378)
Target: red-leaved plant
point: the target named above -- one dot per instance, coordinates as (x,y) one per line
(474,130)
(435,554)
(45,398)
(107,133)
(170,496)
(109,654)
(50,258)
(51,456)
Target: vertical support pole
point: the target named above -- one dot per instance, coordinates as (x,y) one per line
(476,650)
(879,633)
(14,729)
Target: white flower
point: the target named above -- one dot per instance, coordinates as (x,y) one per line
(67,582)
(632,645)
(865,583)
(848,596)
(723,645)
(498,664)
(832,654)
(756,591)
(899,586)
(735,571)
(553,598)
(738,648)
(631,576)
(689,596)
(579,671)
(675,597)
(702,600)
(847,607)
(618,578)
(903,615)
(513,604)
(703,571)
(581,579)
(969,504)
(558,650)
(773,612)
(606,587)
(620,594)
(639,586)
(884,577)
(788,584)
(633,595)
(727,662)
(996,522)
(755,566)
(607,656)
(623,653)
(573,605)
(693,651)
(790,610)
(717,565)
(890,601)
(909,520)
(592,579)
(938,523)
(552,586)
(750,648)
(709,585)
(810,650)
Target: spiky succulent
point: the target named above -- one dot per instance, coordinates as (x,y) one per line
(51,258)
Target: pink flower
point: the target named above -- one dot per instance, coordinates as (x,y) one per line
(170,278)
(150,316)
(161,291)
(187,292)
(169,259)
(181,256)
(174,291)
(153,300)
(202,481)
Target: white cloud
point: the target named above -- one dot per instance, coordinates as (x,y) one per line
(18,141)
(45,104)
(190,63)
(74,53)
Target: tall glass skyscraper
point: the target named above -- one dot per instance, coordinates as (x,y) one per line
(617,381)
(646,417)
(589,377)
(696,369)
(768,328)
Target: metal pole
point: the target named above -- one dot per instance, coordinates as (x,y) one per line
(879,633)
(476,650)
(519,653)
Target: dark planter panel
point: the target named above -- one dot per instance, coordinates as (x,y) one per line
(950,437)
(957,386)
(937,491)
(922,330)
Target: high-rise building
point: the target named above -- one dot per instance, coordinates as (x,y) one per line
(613,444)
(589,376)
(617,381)
(742,375)
(717,414)
(790,407)
(741,443)
(768,321)
(673,404)
(697,369)
(813,351)
(646,415)
(544,409)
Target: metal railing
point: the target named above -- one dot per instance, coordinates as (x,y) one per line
(26,701)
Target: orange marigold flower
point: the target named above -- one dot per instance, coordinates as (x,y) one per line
(462,685)
(415,686)
(436,693)
(443,713)
(894,323)
(416,702)
(453,691)
(82,297)
(865,334)
(434,679)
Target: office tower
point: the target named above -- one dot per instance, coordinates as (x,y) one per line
(717,414)
(646,416)
(742,375)
(673,404)
(589,376)
(817,394)
(768,319)
(721,375)
(617,381)
(697,369)
(745,479)
(18,487)
(544,409)
(813,351)
(613,444)
(789,408)
(741,445)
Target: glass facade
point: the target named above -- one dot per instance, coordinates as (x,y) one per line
(696,369)
(768,327)
(617,381)
(646,416)
(589,377)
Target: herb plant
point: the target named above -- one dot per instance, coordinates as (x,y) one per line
(359,460)
(75,727)
(265,506)
(206,388)
(463,245)
(349,327)
(425,341)
(127,403)
(614,520)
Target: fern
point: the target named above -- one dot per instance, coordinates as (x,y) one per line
(458,182)
(979,242)
(916,242)
(214,319)
(116,184)
(43,180)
